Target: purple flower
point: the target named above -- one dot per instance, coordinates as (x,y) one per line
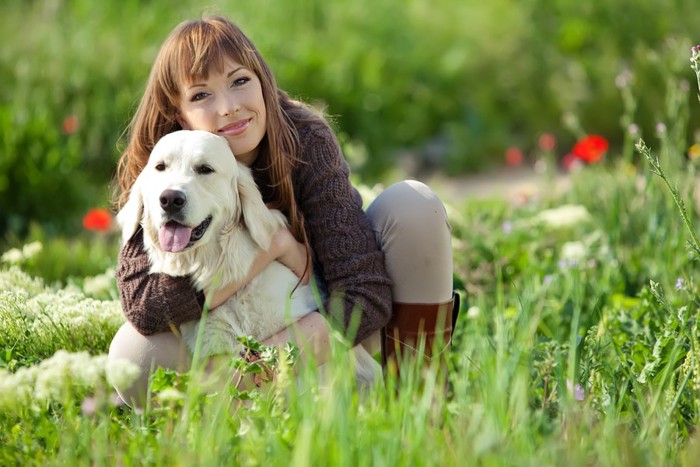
(577,390)
(624,79)
(680,282)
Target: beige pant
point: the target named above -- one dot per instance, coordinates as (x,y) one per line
(413,231)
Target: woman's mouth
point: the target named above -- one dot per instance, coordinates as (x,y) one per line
(235,128)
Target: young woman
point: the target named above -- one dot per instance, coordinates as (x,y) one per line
(392,265)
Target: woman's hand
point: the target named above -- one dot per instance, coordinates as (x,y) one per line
(310,334)
(292,254)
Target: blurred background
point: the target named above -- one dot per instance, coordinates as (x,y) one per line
(412,86)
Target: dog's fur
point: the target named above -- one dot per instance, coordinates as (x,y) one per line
(220,197)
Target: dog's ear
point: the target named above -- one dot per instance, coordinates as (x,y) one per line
(261,223)
(129,217)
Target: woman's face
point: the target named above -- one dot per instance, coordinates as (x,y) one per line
(229,104)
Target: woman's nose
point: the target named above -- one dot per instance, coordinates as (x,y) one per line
(228,105)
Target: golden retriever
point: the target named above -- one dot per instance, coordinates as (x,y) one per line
(203,216)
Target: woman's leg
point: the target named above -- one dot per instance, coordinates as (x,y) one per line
(414,233)
(149,353)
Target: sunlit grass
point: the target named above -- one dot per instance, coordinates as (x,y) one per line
(556,359)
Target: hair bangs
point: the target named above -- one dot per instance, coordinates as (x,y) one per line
(203,47)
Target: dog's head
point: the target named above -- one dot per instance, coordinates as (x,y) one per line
(190,190)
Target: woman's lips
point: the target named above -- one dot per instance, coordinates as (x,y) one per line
(235,128)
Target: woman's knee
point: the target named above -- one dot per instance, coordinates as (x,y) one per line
(163,350)
(414,233)
(408,201)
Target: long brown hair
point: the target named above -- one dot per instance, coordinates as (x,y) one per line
(190,52)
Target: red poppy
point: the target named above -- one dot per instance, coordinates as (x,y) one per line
(99,220)
(514,156)
(547,142)
(70,125)
(590,149)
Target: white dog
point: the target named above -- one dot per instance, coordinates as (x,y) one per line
(203,216)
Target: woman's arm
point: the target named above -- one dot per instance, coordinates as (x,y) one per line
(347,256)
(285,249)
(153,302)
(158,302)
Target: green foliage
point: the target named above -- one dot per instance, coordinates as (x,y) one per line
(68,260)
(450,83)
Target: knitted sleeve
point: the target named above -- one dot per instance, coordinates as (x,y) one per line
(341,237)
(152,302)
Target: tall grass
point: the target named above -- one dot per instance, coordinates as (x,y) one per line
(557,359)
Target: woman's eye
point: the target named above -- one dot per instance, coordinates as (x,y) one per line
(203,169)
(198,97)
(160,166)
(240,81)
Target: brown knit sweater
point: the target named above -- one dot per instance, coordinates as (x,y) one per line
(346,256)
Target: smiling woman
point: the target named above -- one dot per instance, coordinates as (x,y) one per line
(390,266)
(229,103)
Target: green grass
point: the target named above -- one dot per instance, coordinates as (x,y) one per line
(557,359)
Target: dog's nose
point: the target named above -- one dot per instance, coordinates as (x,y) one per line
(172,201)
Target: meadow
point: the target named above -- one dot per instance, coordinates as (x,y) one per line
(577,341)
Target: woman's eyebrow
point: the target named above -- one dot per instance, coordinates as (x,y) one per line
(228,75)
(232,72)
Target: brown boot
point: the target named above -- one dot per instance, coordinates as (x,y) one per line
(414,330)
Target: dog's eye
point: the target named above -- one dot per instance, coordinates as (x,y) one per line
(160,166)
(203,169)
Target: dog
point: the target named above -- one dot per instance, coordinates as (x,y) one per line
(203,216)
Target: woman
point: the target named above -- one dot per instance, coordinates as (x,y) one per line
(391,265)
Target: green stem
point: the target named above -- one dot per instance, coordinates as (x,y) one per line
(656,169)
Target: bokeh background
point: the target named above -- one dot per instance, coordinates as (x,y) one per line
(448,84)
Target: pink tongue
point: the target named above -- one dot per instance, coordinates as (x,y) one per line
(174,237)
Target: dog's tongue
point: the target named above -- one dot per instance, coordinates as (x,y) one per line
(174,237)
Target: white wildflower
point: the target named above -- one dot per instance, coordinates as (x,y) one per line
(12,256)
(54,377)
(566,216)
(473,312)
(30,250)
(74,314)
(16,389)
(60,378)
(170,395)
(121,372)
(100,284)
(16,279)
(573,251)
(15,256)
